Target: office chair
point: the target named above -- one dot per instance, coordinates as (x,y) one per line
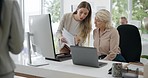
(130,42)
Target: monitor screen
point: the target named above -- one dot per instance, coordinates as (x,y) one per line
(42,35)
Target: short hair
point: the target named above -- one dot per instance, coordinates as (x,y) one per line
(105,16)
(123,18)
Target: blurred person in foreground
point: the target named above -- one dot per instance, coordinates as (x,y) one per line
(11,36)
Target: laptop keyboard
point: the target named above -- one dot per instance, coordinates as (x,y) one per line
(63,57)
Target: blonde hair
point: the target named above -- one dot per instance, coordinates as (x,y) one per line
(85,25)
(105,16)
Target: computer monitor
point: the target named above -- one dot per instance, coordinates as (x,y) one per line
(42,36)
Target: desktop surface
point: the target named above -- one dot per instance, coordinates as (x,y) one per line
(66,69)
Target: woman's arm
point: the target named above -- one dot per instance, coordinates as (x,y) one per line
(114,45)
(60,28)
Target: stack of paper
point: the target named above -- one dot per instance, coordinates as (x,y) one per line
(69,37)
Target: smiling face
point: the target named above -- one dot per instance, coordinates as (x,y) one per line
(82,13)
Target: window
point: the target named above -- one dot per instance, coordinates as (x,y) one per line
(53,7)
(134,10)
(139,11)
(119,8)
(37,7)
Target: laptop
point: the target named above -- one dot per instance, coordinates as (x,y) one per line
(86,56)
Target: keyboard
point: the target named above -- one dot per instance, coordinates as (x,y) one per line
(62,57)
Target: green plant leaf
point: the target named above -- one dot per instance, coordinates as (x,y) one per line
(144,56)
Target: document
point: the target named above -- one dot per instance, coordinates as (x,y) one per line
(69,37)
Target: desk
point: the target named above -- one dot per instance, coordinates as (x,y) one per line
(66,69)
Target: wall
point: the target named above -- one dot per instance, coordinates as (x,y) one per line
(95,4)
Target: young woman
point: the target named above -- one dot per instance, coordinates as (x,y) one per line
(106,37)
(11,36)
(77,23)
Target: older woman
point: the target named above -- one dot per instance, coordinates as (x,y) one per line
(106,37)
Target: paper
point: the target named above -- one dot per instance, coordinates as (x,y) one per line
(69,37)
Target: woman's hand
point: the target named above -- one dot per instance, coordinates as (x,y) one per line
(63,39)
(77,40)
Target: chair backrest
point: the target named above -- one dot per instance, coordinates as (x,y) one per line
(130,42)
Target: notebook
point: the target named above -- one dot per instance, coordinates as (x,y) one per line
(86,56)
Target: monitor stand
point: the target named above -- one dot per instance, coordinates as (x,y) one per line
(34,59)
(37,60)
(58,57)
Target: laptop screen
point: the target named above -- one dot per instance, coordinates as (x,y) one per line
(84,56)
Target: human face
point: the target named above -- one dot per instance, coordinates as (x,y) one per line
(123,21)
(82,13)
(99,23)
